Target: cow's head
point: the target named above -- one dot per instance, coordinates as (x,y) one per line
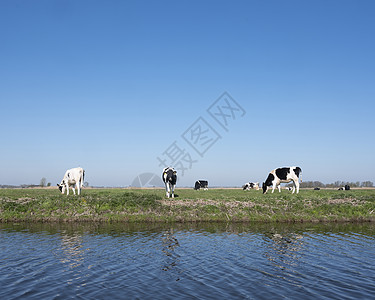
(61,187)
(265,187)
(268,182)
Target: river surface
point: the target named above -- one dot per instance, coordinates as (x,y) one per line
(188,261)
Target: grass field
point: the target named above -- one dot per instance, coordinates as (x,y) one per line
(150,205)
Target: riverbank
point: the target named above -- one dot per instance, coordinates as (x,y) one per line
(214,205)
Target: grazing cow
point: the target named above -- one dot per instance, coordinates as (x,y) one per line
(289,188)
(251,185)
(73,178)
(169,178)
(201,184)
(282,175)
(317,189)
(344,188)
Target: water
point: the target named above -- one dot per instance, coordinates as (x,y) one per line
(202,261)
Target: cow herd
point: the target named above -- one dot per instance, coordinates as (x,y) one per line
(274,179)
(74,178)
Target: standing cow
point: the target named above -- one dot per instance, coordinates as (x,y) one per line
(169,178)
(73,178)
(282,175)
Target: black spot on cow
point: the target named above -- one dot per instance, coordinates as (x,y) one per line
(268,182)
(282,173)
(297,170)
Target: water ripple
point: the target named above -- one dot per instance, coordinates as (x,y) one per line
(182,263)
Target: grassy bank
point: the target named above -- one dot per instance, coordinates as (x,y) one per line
(150,205)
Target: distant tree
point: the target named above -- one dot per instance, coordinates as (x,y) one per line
(49,184)
(367,184)
(85,184)
(43,182)
(311,184)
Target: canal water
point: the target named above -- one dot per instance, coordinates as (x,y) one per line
(187,261)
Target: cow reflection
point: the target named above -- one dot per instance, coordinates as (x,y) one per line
(73,252)
(169,245)
(285,249)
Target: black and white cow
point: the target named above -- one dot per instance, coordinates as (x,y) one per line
(250,185)
(344,188)
(73,178)
(282,175)
(169,178)
(201,184)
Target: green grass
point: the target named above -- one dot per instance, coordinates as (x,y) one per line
(150,205)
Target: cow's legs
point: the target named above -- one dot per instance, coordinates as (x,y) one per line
(74,189)
(273,187)
(294,187)
(173,190)
(167,189)
(78,188)
(279,187)
(296,183)
(67,189)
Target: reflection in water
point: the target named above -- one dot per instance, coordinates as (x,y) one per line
(285,249)
(169,244)
(72,249)
(72,255)
(201,261)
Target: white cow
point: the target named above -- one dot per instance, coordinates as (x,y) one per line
(72,178)
(169,178)
(282,175)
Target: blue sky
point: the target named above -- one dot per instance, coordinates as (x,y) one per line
(111,85)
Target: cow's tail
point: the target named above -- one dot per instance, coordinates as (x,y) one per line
(83,178)
(300,174)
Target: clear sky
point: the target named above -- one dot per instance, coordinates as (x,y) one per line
(117,86)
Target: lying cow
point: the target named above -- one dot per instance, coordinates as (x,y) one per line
(169,178)
(282,175)
(201,184)
(251,185)
(72,178)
